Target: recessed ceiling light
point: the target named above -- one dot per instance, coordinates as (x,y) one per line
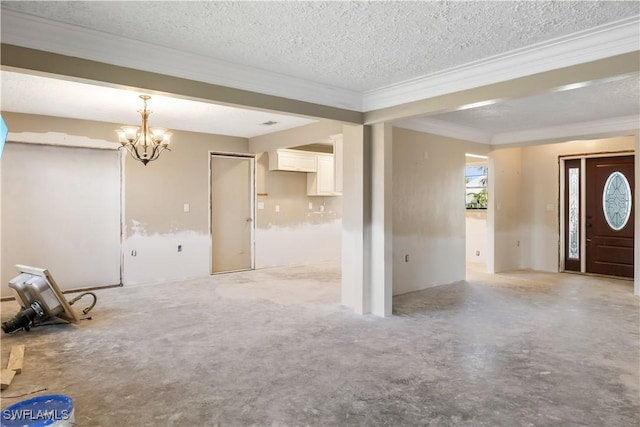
(269,123)
(477,104)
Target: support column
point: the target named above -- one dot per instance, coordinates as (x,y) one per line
(381,220)
(366,220)
(355,219)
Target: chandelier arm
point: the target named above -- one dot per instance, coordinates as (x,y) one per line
(134,151)
(157,150)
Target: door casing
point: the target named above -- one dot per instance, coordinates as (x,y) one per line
(251,190)
(562,211)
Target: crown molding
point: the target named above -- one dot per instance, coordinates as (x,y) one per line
(36,33)
(590,45)
(617,124)
(437,127)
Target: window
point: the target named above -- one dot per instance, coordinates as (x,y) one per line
(476,186)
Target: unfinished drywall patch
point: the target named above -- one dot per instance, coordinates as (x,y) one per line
(167,205)
(476,237)
(291,227)
(429,209)
(297,245)
(163,257)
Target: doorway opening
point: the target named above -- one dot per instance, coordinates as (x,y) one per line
(597,221)
(232,212)
(476,204)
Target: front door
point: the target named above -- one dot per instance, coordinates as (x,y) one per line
(231,213)
(609,216)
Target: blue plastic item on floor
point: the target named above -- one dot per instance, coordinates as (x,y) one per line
(53,410)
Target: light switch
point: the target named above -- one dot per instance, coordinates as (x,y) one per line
(260,206)
(186,207)
(310,205)
(277,208)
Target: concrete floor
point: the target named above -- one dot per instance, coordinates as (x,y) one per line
(273,347)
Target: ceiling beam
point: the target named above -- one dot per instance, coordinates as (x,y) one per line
(78,69)
(517,88)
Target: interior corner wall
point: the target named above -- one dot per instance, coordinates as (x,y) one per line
(157,198)
(291,227)
(428,209)
(503,214)
(540,197)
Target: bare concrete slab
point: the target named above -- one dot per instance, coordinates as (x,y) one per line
(274,348)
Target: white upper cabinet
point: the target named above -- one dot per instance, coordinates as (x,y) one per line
(322,182)
(292,160)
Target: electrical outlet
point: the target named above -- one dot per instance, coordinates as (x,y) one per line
(477,253)
(134,253)
(406,258)
(179,248)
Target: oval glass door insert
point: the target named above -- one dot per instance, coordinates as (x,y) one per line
(616,201)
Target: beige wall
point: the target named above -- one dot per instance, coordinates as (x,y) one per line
(155,222)
(304,230)
(428,209)
(504,212)
(154,197)
(303,135)
(540,196)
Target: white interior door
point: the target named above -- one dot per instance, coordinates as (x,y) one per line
(231,213)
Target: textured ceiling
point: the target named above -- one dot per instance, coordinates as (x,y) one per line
(600,100)
(355,45)
(24,93)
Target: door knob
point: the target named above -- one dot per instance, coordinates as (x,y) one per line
(249,219)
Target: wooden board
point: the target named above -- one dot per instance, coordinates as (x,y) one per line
(6,376)
(16,358)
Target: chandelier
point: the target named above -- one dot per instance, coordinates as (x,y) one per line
(145,144)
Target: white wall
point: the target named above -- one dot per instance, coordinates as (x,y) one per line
(476,237)
(61,212)
(540,196)
(428,209)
